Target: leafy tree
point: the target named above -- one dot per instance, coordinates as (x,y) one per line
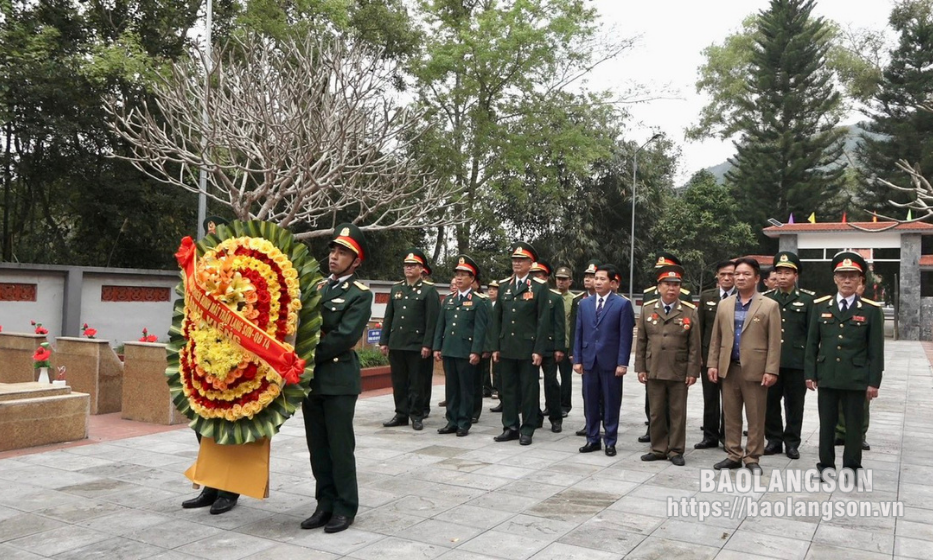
(702,227)
(789,149)
(899,129)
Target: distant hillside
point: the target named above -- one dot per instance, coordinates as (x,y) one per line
(852,140)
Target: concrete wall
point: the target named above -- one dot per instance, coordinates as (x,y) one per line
(926,319)
(908,320)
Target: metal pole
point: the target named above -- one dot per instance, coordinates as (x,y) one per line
(631,264)
(202,182)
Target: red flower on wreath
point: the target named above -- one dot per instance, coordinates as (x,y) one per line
(185,252)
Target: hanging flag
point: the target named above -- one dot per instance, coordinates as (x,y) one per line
(909,215)
(844,218)
(791,219)
(812,218)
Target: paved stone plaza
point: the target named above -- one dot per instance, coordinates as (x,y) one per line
(430,496)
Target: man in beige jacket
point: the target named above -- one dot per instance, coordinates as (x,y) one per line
(745,353)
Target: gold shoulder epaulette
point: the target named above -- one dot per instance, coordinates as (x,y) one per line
(685,291)
(651,289)
(540,281)
(766,292)
(506,280)
(427,282)
(556,292)
(479,295)
(651,302)
(822,299)
(811,292)
(623,297)
(871,302)
(688,304)
(399,282)
(580,295)
(361,285)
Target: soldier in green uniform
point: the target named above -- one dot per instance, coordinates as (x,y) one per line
(460,340)
(650,294)
(713,421)
(564,279)
(407,336)
(521,328)
(796,306)
(491,377)
(346,304)
(841,425)
(554,351)
(589,288)
(844,358)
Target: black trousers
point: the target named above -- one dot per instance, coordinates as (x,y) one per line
(485,373)
(852,404)
(551,389)
(427,384)
(331,444)
(220,493)
(565,367)
(407,383)
(519,392)
(791,386)
(482,375)
(713,421)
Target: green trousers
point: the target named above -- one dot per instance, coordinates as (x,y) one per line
(519,392)
(841,424)
(331,443)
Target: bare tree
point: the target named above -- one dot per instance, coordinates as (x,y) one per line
(301,132)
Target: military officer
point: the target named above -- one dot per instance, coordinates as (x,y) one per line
(713,427)
(667,359)
(460,340)
(651,294)
(491,377)
(346,304)
(589,288)
(844,358)
(841,425)
(555,350)
(407,337)
(484,361)
(796,305)
(521,329)
(564,281)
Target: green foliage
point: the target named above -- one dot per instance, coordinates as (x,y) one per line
(702,227)
(372,357)
(788,155)
(898,128)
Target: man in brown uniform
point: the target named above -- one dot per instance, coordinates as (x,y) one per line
(667,359)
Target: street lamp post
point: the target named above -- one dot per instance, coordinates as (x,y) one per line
(631,264)
(202,178)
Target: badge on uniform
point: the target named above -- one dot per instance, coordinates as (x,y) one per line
(858,318)
(398,295)
(528,295)
(799,303)
(686,323)
(711,303)
(827,315)
(338,300)
(467,303)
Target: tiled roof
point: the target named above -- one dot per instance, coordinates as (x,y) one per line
(907,227)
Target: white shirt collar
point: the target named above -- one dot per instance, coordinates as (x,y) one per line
(342,278)
(850,301)
(466,293)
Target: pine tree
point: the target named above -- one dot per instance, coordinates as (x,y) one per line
(788,153)
(898,129)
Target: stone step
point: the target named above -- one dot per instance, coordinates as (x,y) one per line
(29,422)
(31,390)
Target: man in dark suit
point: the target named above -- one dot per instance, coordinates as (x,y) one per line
(602,348)
(844,359)
(460,340)
(713,429)
(346,304)
(745,353)
(521,328)
(407,336)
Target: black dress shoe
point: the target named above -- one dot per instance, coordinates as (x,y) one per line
(223,504)
(678,460)
(745,433)
(839,441)
(318,519)
(338,523)
(865,446)
(792,453)
(557,427)
(727,464)
(425,413)
(207,497)
(644,439)
(564,413)
(448,429)
(396,420)
(443,403)
(497,408)
(581,432)
(590,447)
(651,457)
(707,444)
(524,440)
(417,425)
(611,450)
(774,449)
(474,420)
(506,435)
(462,432)
(754,467)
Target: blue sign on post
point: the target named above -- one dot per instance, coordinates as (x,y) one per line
(372,336)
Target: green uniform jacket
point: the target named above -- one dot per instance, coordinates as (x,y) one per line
(410,316)
(845,350)
(345,312)
(796,308)
(520,320)
(573,319)
(462,326)
(558,336)
(706,316)
(568,298)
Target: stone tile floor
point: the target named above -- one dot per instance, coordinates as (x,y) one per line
(424,495)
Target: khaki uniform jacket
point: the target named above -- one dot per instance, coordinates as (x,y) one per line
(760,346)
(845,350)
(345,311)
(668,346)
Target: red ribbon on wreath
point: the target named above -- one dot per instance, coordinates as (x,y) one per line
(233,325)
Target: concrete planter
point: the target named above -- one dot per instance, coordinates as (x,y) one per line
(92,368)
(379,377)
(146,396)
(16,350)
